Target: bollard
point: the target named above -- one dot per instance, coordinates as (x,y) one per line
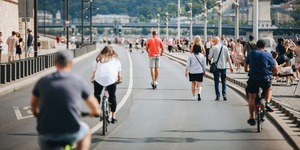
(283,110)
(291,116)
(273,103)
(287,113)
(34,65)
(22,68)
(276,105)
(298,122)
(8,72)
(47,61)
(18,69)
(25,68)
(295,119)
(13,70)
(3,73)
(38,64)
(43,63)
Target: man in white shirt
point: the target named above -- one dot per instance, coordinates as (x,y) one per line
(222,66)
(12,43)
(1,49)
(223,40)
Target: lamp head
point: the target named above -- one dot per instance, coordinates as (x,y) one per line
(219,12)
(158,15)
(235,4)
(190,5)
(204,8)
(190,13)
(204,15)
(219,3)
(167,14)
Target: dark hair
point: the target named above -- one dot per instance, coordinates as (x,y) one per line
(38,36)
(0,32)
(231,39)
(18,34)
(238,40)
(280,40)
(13,33)
(197,49)
(274,54)
(242,38)
(154,32)
(29,30)
(260,44)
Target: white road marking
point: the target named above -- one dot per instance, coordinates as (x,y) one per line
(19,114)
(125,98)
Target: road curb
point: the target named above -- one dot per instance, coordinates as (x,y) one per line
(29,80)
(239,88)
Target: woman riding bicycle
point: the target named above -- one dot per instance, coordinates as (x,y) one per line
(107,73)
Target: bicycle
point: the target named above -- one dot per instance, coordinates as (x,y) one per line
(66,145)
(106,111)
(260,110)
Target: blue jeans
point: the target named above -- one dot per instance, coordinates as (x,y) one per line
(217,81)
(72,138)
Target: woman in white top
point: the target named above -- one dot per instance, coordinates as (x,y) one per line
(208,45)
(196,67)
(106,73)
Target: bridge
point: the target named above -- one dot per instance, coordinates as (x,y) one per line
(172,25)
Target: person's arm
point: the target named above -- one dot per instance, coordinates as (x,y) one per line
(225,43)
(35,103)
(294,45)
(205,45)
(296,49)
(244,50)
(119,77)
(230,64)
(275,71)
(93,104)
(188,63)
(203,50)
(211,54)
(192,48)
(246,67)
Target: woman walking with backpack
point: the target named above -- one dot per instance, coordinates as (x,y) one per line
(196,67)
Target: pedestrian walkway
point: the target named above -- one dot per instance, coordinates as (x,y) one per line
(284,93)
(43,51)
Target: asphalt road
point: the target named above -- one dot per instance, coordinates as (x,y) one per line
(165,118)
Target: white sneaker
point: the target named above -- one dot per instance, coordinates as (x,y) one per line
(297,79)
(155,83)
(194,97)
(151,83)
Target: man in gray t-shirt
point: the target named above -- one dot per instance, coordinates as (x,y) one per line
(56,104)
(222,65)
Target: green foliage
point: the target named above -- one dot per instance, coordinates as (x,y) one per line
(101,30)
(146,31)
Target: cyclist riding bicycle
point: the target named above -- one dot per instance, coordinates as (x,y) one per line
(56,104)
(107,73)
(259,76)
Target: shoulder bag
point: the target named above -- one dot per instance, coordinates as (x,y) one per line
(213,66)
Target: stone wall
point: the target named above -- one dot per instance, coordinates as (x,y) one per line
(9,20)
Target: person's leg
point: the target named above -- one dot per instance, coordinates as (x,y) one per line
(112,98)
(193,88)
(156,73)
(157,65)
(216,79)
(251,105)
(20,57)
(268,94)
(223,78)
(97,91)
(152,74)
(199,87)
(0,57)
(9,58)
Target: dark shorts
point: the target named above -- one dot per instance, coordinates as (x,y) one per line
(19,50)
(0,49)
(39,44)
(196,77)
(170,47)
(254,85)
(142,44)
(130,45)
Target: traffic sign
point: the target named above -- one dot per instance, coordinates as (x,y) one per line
(120,26)
(73,26)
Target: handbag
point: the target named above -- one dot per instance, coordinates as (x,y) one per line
(213,67)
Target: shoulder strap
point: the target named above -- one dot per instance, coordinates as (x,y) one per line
(250,45)
(198,61)
(219,55)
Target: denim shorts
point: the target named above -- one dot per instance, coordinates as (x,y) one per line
(72,138)
(0,49)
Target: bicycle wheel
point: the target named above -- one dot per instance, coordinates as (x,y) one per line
(104,116)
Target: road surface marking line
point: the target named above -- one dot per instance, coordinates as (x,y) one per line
(125,98)
(17,112)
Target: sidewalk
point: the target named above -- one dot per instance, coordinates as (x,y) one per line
(4,57)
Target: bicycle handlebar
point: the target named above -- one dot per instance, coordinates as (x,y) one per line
(85,114)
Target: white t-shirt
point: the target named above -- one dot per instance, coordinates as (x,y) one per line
(73,39)
(208,45)
(107,73)
(1,41)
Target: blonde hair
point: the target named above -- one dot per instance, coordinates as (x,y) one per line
(197,40)
(106,54)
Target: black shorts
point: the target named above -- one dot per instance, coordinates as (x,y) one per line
(19,50)
(254,85)
(142,45)
(196,77)
(39,44)
(170,47)
(130,45)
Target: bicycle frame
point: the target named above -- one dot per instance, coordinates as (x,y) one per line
(106,111)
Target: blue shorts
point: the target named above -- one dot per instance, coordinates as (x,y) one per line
(72,138)
(0,49)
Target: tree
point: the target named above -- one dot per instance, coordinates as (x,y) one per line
(145,31)
(142,18)
(101,30)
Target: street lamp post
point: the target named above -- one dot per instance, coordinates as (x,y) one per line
(219,4)
(191,20)
(178,28)
(67,22)
(158,16)
(167,25)
(255,20)
(35,28)
(91,24)
(82,19)
(236,6)
(205,19)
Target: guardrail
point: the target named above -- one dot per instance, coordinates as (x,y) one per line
(15,70)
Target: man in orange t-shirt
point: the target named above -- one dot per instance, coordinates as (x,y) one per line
(155,49)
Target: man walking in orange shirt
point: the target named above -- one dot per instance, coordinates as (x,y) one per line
(155,49)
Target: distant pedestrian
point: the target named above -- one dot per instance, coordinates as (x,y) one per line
(155,49)
(122,41)
(238,55)
(12,43)
(29,43)
(136,43)
(57,39)
(142,44)
(170,46)
(39,44)
(196,67)
(223,40)
(220,50)
(249,46)
(1,49)
(73,40)
(243,42)
(130,45)
(20,46)
(208,45)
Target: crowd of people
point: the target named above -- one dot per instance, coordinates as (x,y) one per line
(16,45)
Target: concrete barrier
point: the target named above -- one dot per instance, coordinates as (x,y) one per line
(45,44)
